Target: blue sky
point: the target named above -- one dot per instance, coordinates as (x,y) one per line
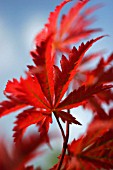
(19,23)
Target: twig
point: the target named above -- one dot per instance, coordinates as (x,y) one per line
(62,131)
(64,147)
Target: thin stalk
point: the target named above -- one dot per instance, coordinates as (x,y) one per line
(64,147)
(62,131)
(65,138)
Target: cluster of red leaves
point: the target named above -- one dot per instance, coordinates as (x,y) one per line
(42,92)
(16,157)
(69,31)
(94,150)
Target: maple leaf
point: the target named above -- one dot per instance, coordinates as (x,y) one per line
(42,91)
(82,95)
(10,105)
(25,119)
(69,68)
(91,57)
(102,74)
(69,31)
(51,26)
(44,60)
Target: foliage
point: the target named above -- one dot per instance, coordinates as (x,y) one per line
(54,89)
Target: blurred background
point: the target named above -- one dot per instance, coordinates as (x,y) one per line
(20,21)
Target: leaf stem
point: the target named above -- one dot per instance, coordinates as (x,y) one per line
(62,131)
(64,147)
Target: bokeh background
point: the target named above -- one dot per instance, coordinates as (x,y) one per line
(19,23)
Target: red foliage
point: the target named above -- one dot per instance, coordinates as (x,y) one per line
(46,90)
(94,149)
(21,153)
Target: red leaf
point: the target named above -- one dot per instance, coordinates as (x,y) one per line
(110,59)
(102,74)
(21,154)
(18,135)
(53,18)
(76,36)
(28,117)
(26,91)
(44,58)
(92,56)
(12,105)
(95,105)
(78,97)
(44,125)
(72,14)
(29,168)
(70,31)
(69,68)
(65,116)
(93,150)
(51,26)
(25,119)
(32,95)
